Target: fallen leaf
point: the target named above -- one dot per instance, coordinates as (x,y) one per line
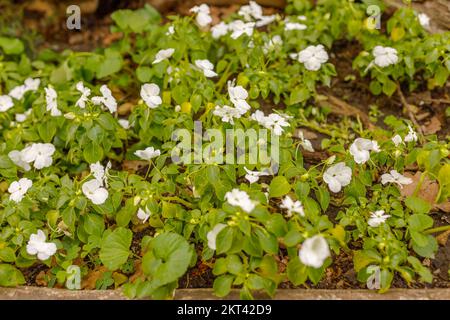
(133,165)
(125,109)
(443,237)
(88,282)
(433,126)
(41,279)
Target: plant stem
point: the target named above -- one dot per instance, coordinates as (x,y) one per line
(438,229)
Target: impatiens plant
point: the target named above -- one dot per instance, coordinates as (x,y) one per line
(122,159)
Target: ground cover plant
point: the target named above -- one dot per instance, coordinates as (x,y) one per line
(114,171)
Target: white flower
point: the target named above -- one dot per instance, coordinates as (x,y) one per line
(29,85)
(227,113)
(148,153)
(18,189)
(395,177)
(203,15)
(16,156)
(253,176)
(143,215)
(373,282)
(424,20)
(50,99)
(38,245)
(241,199)
(170,31)
(376,218)
(301,18)
(275,122)
(384,56)
(397,140)
(292,206)
(206,67)
(219,30)
(337,176)
(124,123)
(312,57)
(212,235)
(238,95)
(305,143)
(252,10)
(314,251)
(273,43)
(265,20)
(238,28)
(6,103)
(94,191)
(85,93)
(163,55)
(21,117)
(289,26)
(40,154)
(99,172)
(150,94)
(106,99)
(360,149)
(411,136)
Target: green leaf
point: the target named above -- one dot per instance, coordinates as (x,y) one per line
(279,187)
(111,64)
(7,255)
(224,240)
(296,271)
(222,285)
(362,258)
(115,248)
(92,152)
(10,276)
(11,45)
(418,205)
(420,222)
(324,197)
(299,95)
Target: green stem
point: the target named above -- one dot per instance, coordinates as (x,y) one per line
(438,229)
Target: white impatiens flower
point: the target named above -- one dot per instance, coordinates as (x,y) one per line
(314,251)
(212,235)
(238,95)
(397,140)
(203,17)
(274,122)
(6,103)
(94,191)
(148,153)
(16,156)
(100,172)
(384,56)
(219,30)
(337,176)
(227,113)
(206,67)
(312,57)
(170,31)
(374,280)
(424,20)
(29,85)
(150,95)
(376,218)
(395,177)
(40,154)
(143,215)
(292,206)
(18,189)
(163,55)
(241,199)
(85,93)
(50,99)
(238,28)
(360,149)
(253,176)
(38,245)
(106,99)
(289,26)
(411,136)
(305,143)
(124,123)
(272,44)
(251,11)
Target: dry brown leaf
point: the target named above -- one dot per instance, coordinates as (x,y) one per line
(125,109)
(133,165)
(443,237)
(88,282)
(41,279)
(433,126)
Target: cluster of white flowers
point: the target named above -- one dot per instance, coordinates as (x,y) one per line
(253,176)
(312,57)
(227,113)
(292,206)
(238,96)
(305,143)
(143,215)
(424,20)
(29,85)
(85,93)
(240,199)
(273,121)
(18,189)
(95,189)
(211,236)
(205,66)
(360,149)
(253,12)
(410,137)
(150,95)
(377,218)
(394,177)
(384,56)
(203,15)
(162,55)
(236,27)
(37,245)
(148,153)
(52,104)
(273,43)
(314,251)
(6,103)
(106,99)
(40,154)
(337,176)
